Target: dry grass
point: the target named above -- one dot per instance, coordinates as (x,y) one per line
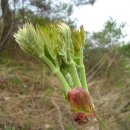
(30,99)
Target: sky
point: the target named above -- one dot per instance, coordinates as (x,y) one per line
(94,17)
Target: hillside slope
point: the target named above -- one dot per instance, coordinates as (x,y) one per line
(30,99)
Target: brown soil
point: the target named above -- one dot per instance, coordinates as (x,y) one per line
(31,99)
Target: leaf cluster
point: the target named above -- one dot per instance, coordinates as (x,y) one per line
(55,41)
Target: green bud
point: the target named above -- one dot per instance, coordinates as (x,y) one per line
(30,40)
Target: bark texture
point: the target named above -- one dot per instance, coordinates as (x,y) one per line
(7,23)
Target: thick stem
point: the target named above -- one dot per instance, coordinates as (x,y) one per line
(74,74)
(82,73)
(68,77)
(63,80)
(72,66)
(83,78)
(57,72)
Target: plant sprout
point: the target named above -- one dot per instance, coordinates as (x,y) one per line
(61,49)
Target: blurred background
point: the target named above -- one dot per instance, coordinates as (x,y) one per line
(30,95)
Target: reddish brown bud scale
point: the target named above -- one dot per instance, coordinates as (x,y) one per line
(81,105)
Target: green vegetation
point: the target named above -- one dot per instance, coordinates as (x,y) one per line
(62,51)
(31,98)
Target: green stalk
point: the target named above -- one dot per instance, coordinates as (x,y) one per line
(83,78)
(69,79)
(57,72)
(82,73)
(74,74)
(63,81)
(72,66)
(67,76)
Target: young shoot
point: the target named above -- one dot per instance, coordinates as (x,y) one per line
(61,49)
